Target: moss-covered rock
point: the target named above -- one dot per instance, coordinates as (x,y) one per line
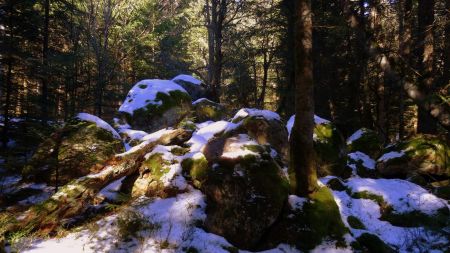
(193,86)
(366,141)
(75,150)
(205,109)
(266,131)
(173,108)
(195,169)
(362,165)
(148,181)
(318,220)
(245,193)
(371,243)
(330,149)
(424,154)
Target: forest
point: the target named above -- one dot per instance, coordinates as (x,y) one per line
(225,126)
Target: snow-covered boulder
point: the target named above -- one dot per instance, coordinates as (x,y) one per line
(366,141)
(424,154)
(74,151)
(192,85)
(245,189)
(265,127)
(329,146)
(205,109)
(154,104)
(362,165)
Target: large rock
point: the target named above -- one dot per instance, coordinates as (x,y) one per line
(265,127)
(192,85)
(245,188)
(73,150)
(330,148)
(306,223)
(366,141)
(155,104)
(424,154)
(206,109)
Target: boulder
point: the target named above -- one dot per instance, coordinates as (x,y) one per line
(265,127)
(73,151)
(366,141)
(362,165)
(155,104)
(330,148)
(426,155)
(192,85)
(244,186)
(206,109)
(307,223)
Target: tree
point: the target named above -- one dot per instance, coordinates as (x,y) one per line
(302,162)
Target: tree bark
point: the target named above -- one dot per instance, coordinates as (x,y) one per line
(44,88)
(425,122)
(302,156)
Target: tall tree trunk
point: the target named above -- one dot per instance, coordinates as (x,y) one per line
(302,156)
(405,30)
(219,11)
(425,122)
(210,24)
(446,74)
(44,88)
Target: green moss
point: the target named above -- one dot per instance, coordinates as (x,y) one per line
(354,222)
(157,165)
(418,219)
(319,220)
(368,195)
(369,143)
(179,151)
(196,170)
(373,244)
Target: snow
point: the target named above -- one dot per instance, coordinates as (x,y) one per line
(144,93)
(356,135)
(99,122)
(245,112)
(187,78)
(296,202)
(402,195)
(133,134)
(317,120)
(391,155)
(201,137)
(111,191)
(365,159)
(201,100)
(368,212)
(237,147)
(147,139)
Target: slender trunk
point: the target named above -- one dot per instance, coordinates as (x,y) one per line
(218,39)
(210,27)
(266,65)
(446,74)
(44,88)
(406,23)
(6,121)
(302,156)
(425,122)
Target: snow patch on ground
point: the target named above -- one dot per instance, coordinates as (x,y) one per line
(365,159)
(391,155)
(99,122)
(187,78)
(144,93)
(402,195)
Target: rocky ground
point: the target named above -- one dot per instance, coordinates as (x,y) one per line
(175,172)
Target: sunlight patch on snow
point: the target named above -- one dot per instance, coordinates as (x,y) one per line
(237,147)
(201,137)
